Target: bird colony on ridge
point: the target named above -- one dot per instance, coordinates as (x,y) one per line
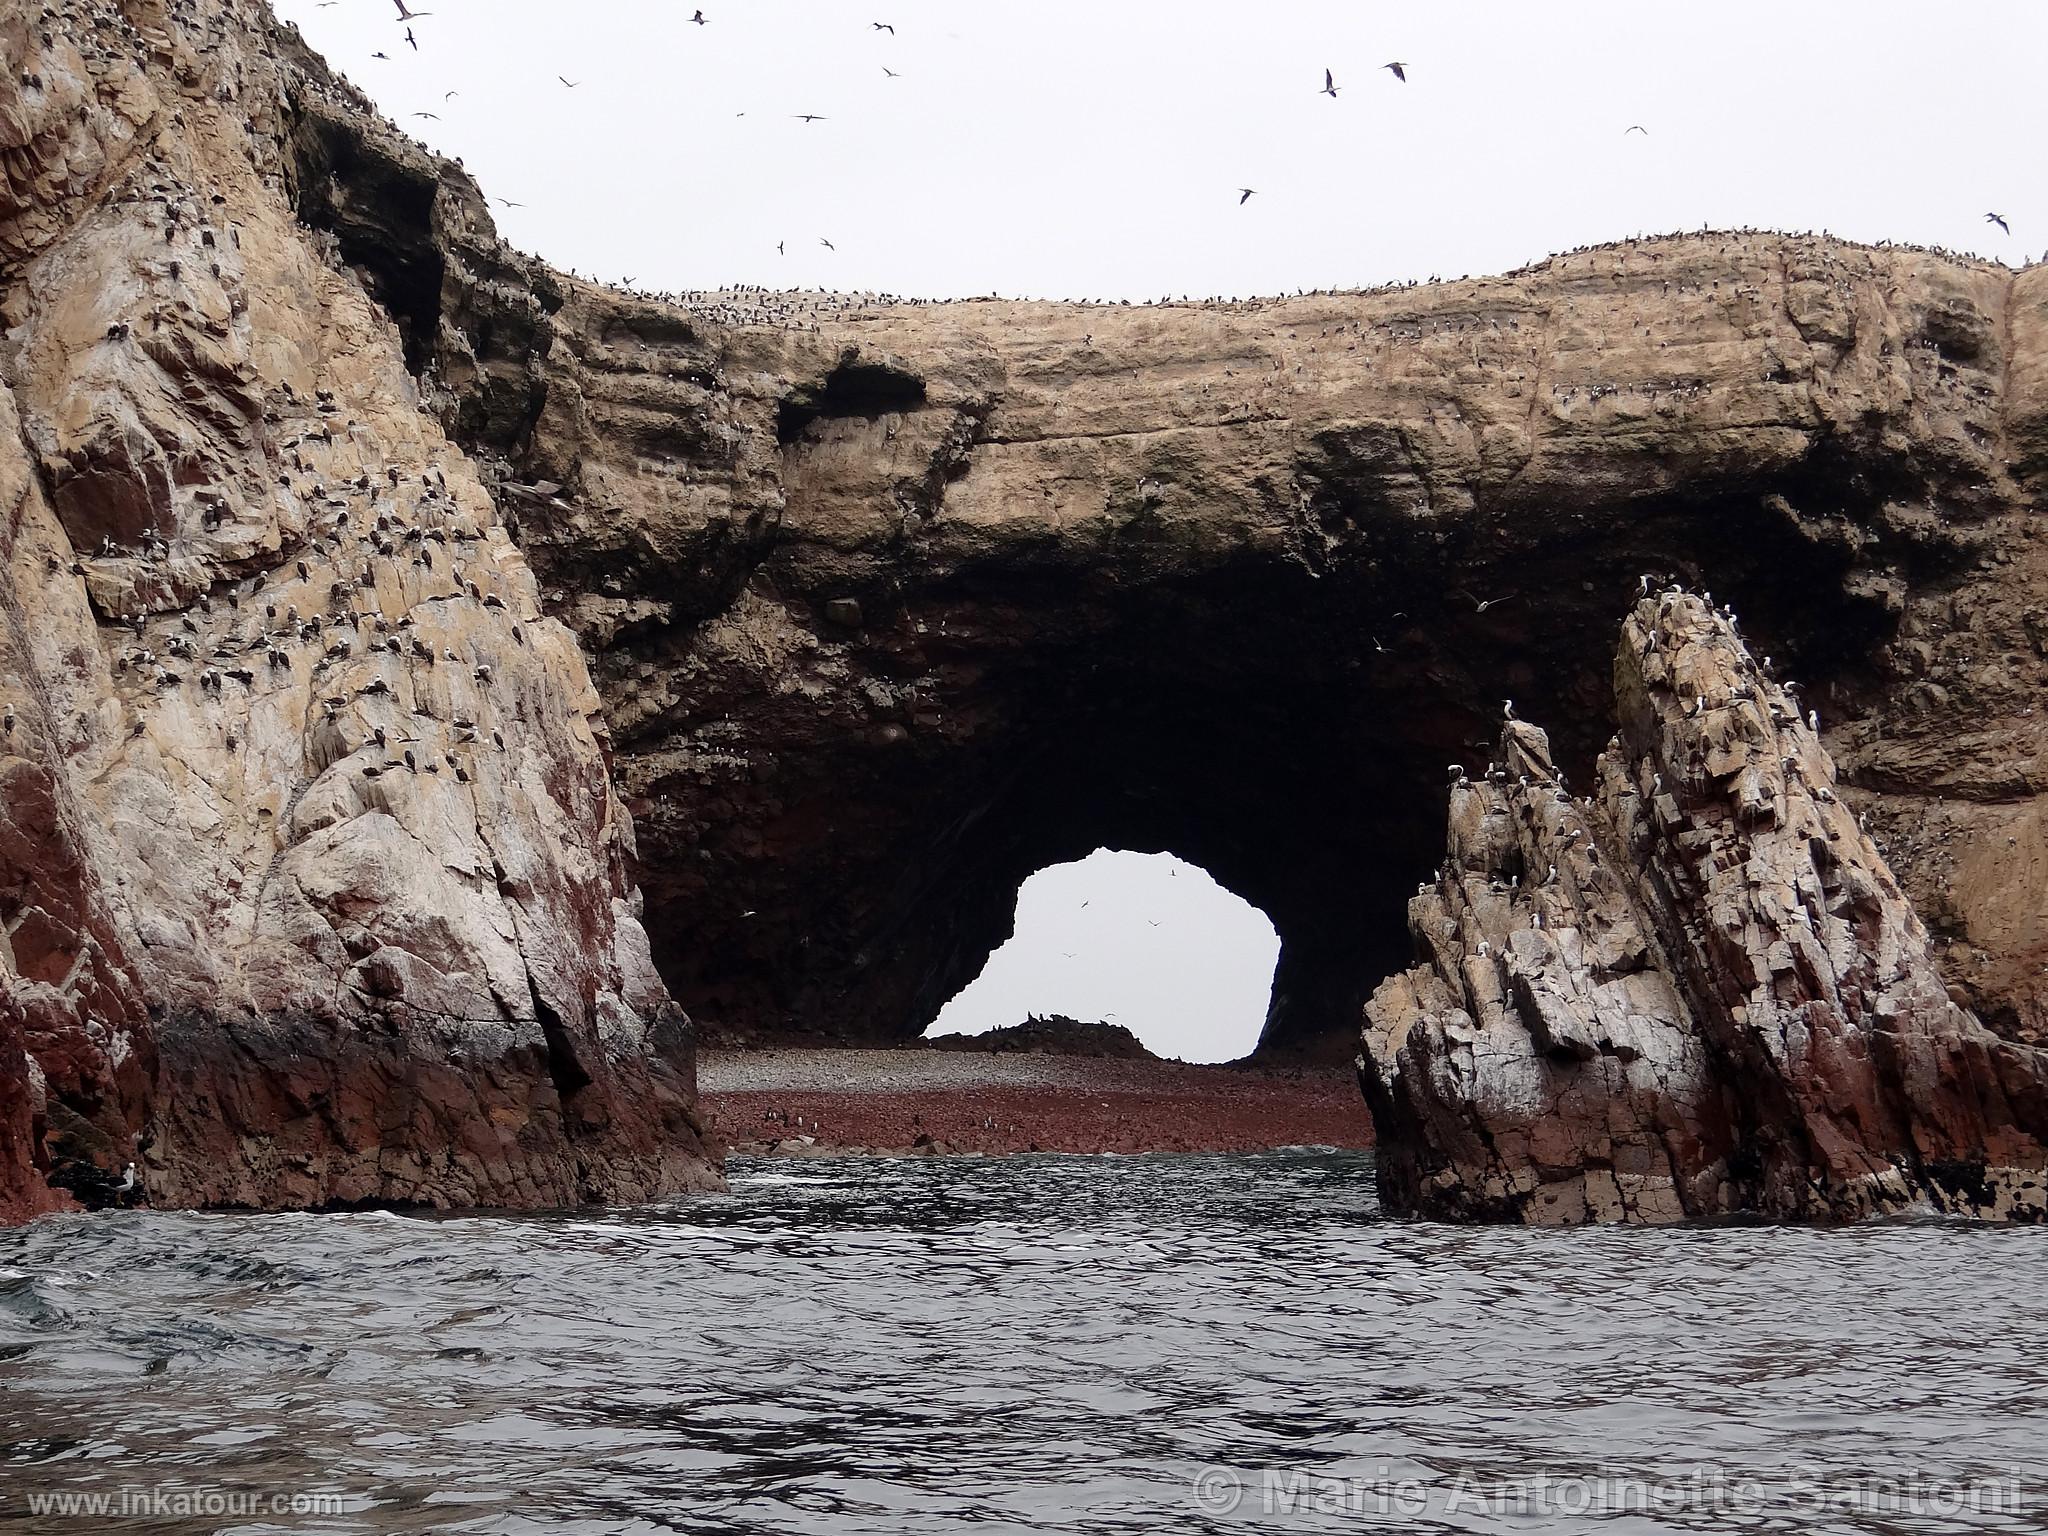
(754,304)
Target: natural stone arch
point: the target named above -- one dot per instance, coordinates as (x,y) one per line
(1285,729)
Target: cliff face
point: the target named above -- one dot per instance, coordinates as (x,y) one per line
(315,884)
(892,604)
(363,575)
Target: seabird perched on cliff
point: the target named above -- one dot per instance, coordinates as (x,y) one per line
(1329,85)
(1400,70)
(1999,220)
(1507,709)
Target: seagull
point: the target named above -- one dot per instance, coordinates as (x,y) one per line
(1635,128)
(883,26)
(1249,194)
(890,73)
(407,15)
(1329,84)
(827,243)
(572,84)
(808,117)
(127,1181)
(434,115)
(413,40)
(1999,220)
(1400,70)
(507,202)
(450,95)
(381,55)
(1480,605)
(779,248)
(699,18)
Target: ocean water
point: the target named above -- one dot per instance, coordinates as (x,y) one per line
(1049,1343)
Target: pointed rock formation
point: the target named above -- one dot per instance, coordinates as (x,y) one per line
(1697,993)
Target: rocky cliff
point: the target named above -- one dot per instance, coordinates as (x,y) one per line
(892,604)
(1693,992)
(370,588)
(315,886)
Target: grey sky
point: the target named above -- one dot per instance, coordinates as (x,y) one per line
(1096,148)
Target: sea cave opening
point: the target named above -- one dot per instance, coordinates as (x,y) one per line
(1145,942)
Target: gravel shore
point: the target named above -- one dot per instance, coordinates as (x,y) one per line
(815,1102)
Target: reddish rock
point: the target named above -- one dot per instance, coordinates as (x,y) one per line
(1698,992)
(811,1102)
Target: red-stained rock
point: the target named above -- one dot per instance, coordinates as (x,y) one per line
(1696,993)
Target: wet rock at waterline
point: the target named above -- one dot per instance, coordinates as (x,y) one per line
(1695,991)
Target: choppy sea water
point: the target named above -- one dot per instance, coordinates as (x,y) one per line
(1053,1343)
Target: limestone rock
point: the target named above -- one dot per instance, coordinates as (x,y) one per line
(1697,992)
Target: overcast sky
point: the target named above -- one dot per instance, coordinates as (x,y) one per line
(1095,148)
(1098,148)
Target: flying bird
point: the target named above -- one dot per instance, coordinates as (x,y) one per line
(1480,605)
(413,40)
(381,55)
(572,84)
(779,248)
(883,26)
(450,95)
(827,243)
(1248,195)
(407,15)
(808,117)
(1635,128)
(1999,220)
(1400,70)
(509,203)
(1329,84)
(698,18)
(435,116)
(890,73)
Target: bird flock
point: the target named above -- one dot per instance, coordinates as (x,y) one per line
(1395,71)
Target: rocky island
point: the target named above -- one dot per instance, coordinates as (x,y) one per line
(431,682)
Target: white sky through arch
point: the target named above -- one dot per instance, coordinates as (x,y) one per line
(1141,940)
